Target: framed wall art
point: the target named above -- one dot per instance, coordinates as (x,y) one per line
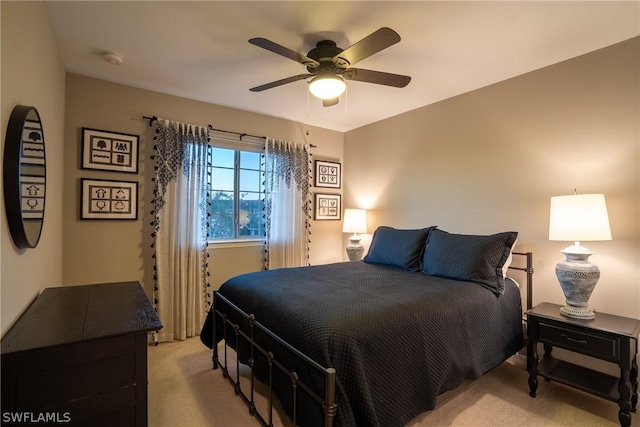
(102,199)
(327,207)
(327,174)
(110,151)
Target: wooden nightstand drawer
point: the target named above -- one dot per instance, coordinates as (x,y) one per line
(590,343)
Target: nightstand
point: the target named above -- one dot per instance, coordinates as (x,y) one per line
(607,337)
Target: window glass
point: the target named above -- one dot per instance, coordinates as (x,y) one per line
(251,215)
(249,180)
(236,194)
(222,157)
(249,160)
(221,220)
(222,179)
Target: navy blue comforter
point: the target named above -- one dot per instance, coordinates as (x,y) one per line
(397,339)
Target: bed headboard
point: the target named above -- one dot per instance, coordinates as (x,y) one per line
(528,269)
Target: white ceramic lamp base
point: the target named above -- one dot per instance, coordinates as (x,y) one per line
(354,248)
(577,277)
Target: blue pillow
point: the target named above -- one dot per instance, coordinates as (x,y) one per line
(398,248)
(480,259)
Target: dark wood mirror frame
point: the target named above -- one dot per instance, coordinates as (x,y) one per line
(24,175)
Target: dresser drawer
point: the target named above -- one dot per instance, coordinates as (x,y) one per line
(591,342)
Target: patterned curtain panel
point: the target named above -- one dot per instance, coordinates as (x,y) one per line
(181,288)
(288,204)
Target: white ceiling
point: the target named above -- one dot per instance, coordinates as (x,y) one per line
(199,50)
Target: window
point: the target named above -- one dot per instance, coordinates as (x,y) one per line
(236,193)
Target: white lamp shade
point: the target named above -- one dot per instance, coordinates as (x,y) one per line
(579,217)
(327,86)
(355,221)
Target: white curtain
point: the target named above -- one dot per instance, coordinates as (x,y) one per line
(181,288)
(288,204)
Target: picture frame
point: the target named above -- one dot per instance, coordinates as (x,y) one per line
(104,199)
(328,207)
(109,151)
(327,174)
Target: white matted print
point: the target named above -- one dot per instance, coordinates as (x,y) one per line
(111,151)
(327,174)
(102,199)
(327,206)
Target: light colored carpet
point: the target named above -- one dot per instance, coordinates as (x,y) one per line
(184,391)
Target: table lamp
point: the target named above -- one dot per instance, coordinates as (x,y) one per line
(578,217)
(355,221)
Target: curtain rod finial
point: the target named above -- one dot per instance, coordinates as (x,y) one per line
(151,119)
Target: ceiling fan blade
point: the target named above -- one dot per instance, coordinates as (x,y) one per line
(377,77)
(330,102)
(286,52)
(280,82)
(373,43)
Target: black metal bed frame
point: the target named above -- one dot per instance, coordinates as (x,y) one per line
(328,401)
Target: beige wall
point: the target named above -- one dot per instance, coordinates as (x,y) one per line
(105,251)
(32,74)
(489,160)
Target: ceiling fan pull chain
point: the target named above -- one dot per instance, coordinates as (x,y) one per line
(307,107)
(346,102)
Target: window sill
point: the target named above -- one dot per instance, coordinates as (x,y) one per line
(234,243)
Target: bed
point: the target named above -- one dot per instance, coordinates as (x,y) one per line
(373,342)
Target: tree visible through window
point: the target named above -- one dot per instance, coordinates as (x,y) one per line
(236,193)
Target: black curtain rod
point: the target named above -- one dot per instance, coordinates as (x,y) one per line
(241,135)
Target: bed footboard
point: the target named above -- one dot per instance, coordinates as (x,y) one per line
(327,402)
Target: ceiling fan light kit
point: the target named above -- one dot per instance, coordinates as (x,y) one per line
(330,65)
(327,86)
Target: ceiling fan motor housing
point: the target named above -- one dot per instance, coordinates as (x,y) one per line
(325,52)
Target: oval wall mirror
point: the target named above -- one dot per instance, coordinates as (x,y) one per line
(24,175)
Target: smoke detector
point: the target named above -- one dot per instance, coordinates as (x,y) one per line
(113,58)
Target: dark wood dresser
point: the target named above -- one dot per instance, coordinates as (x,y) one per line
(78,355)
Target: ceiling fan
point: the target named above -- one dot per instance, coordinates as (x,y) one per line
(329,65)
